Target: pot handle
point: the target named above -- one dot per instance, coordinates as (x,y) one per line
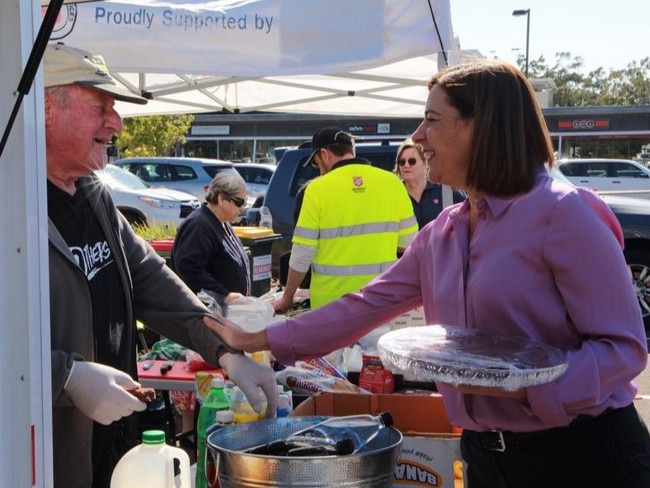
(210,458)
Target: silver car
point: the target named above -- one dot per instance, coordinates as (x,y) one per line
(143,205)
(257,177)
(191,175)
(606,174)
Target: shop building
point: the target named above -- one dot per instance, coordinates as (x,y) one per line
(622,131)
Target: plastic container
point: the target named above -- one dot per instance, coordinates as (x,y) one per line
(284,403)
(266,219)
(215,401)
(242,409)
(151,464)
(346,435)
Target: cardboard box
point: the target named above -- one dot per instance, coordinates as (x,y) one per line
(430,447)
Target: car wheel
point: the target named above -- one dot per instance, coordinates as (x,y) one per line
(638,260)
(134,218)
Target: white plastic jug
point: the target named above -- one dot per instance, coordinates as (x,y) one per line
(151,464)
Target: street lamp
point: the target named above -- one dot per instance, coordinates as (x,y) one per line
(519,13)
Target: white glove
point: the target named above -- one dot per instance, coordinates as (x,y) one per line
(249,375)
(99,391)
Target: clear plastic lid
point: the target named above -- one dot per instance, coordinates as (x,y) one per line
(457,355)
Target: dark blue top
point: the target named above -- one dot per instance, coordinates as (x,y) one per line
(208,255)
(430,204)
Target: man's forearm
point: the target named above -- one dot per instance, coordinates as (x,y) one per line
(293,283)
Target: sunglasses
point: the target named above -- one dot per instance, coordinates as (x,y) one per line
(313,159)
(410,161)
(237,201)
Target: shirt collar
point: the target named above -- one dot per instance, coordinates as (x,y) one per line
(498,205)
(345,162)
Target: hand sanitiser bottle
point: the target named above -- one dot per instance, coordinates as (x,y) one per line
(266,220)
(151,464)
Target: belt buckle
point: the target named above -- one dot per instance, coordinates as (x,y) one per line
(500,442)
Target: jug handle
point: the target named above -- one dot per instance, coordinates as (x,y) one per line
(185,478)
(211,482)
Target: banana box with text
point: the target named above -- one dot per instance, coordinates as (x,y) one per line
(430,455)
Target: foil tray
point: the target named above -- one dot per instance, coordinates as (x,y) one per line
(461,356)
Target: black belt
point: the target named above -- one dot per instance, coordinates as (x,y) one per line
(497,440)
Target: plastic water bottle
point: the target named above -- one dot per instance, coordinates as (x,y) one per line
(284,403)
(215,401)
(224,418)
(242,409)
(151,464)
(266,220)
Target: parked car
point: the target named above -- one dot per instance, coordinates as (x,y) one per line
(606,174)
(191,175)
(257,177)
(142,204)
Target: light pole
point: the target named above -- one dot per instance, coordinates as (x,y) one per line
(519,13)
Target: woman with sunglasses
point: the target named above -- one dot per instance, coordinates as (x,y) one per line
(207,255)
(428,198)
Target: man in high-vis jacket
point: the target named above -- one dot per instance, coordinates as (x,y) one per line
(354,220)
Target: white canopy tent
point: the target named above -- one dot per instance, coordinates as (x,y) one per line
(334,39)
(366,57)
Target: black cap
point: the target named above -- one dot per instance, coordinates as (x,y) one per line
(329,136)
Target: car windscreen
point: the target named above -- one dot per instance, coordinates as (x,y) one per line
(120,179)
(215,170)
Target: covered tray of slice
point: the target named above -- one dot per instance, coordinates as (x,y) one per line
(462,356)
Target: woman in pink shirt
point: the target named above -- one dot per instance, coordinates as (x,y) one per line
(524,255)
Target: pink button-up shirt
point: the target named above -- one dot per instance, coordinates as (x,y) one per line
(546,265)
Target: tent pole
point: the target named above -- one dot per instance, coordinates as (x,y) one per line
(435,25)
(49,20)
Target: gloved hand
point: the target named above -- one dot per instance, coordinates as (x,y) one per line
(249,375)
(99,391)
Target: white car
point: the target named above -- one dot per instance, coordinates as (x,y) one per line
(141,204)
(606,174)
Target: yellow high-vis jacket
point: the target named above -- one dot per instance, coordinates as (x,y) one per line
(356,216)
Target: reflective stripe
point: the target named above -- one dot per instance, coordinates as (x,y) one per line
(348,231)
(359,269)
(408,223)
(306,233)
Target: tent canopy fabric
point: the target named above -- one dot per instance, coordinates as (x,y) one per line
(367,57)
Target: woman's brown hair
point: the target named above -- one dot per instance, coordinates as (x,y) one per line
(511,142)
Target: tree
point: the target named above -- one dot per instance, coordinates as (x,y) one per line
(629,86)
(153,135)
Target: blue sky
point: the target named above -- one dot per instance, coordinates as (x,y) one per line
(607,34)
